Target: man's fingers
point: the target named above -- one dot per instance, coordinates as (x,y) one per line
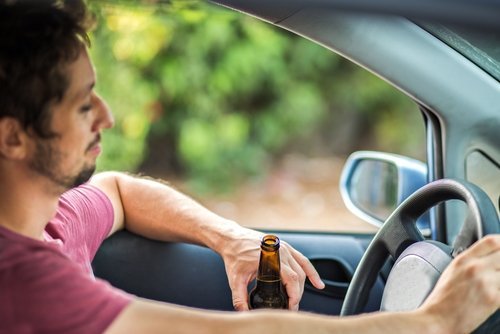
(239,291)
(240,296)
(291,282)
(308,269)
(295,268)
(488,244)
(293,277)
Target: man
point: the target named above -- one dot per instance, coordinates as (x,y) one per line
(52,220)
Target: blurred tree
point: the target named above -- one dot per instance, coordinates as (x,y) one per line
(210,94)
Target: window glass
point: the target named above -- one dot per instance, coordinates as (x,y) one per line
(484,172)
(250,120)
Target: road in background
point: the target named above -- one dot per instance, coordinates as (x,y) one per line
(299,194)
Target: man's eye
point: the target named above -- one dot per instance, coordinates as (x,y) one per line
(86,108)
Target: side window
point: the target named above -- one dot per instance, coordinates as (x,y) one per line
(485,172)
(252,121)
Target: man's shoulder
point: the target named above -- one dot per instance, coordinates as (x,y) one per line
(30,255)
(84,190)
(84,198)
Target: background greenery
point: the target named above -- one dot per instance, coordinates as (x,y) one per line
(213,96)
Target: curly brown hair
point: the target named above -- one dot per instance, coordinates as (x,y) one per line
(38,39)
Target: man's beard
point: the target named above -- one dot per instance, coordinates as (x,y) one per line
(47,162)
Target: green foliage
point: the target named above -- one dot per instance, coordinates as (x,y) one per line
(229,91)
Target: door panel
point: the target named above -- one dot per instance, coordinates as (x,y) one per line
(195,276)
(178,273)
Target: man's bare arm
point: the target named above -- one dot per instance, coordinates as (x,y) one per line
(153,209)
(154,317)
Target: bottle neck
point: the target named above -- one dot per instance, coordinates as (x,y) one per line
(268,276)
(269,264)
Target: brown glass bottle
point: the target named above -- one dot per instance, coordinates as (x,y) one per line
(268,291)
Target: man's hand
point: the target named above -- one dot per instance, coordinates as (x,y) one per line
(241,258)
(469,289)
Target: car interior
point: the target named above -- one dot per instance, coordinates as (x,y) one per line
(426,212)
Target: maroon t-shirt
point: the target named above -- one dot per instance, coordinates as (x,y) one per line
(48,286)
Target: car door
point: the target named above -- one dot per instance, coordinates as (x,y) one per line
(194,276)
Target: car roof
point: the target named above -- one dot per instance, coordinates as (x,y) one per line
(479,13)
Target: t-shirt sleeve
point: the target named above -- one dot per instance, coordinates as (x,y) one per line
(89,216)
(52,295)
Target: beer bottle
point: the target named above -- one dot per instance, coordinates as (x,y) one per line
(268,291)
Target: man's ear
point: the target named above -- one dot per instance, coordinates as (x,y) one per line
(13,139)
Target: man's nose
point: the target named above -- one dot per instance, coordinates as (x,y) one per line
(104,116)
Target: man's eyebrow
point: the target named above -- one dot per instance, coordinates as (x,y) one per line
(84,91)
(90,87)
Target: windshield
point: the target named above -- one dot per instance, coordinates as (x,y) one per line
(481,47)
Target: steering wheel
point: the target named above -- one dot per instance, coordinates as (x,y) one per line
(418,263)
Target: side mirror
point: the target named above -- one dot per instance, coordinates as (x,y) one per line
(373,184)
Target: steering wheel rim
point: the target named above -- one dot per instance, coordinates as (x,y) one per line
(400,231)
